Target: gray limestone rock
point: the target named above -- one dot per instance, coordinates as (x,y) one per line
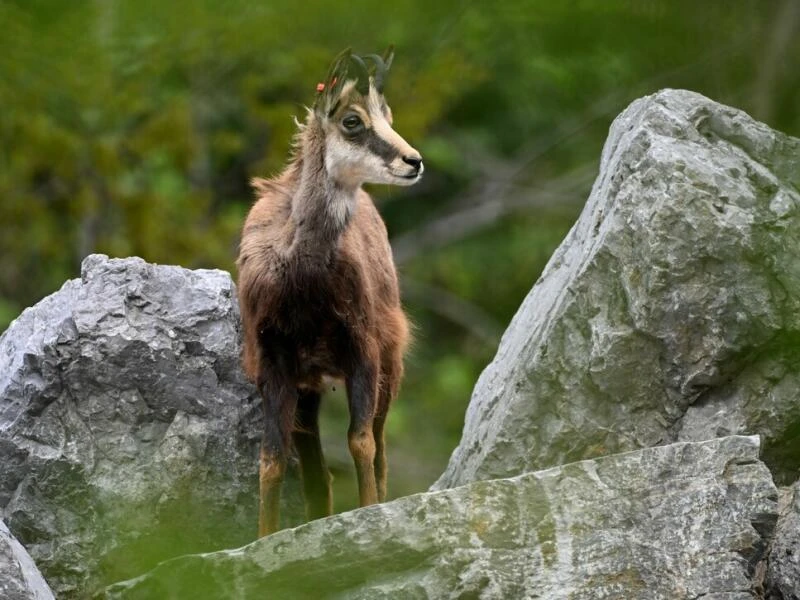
(783,570)
(670,312)
(19,577)
(687,520)
(127,432)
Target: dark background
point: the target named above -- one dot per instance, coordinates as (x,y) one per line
(133,127)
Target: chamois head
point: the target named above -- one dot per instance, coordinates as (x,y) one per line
(360,144)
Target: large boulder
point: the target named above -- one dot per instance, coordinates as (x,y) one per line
(19,577)
(688,520)
(670,312)
(127,432)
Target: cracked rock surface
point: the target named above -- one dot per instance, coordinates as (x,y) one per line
(127,431)
(783,573)
(19,577)
(670,312)
(679,521)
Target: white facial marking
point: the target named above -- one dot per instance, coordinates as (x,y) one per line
(352,164)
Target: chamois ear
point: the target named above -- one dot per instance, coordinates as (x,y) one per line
(329,89)
(388,57)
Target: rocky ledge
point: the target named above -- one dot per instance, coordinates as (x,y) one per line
(688,520)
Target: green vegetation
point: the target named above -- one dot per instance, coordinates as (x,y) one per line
(132,128)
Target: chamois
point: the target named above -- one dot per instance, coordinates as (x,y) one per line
(318,288)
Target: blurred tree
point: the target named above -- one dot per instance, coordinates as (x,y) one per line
(134,127)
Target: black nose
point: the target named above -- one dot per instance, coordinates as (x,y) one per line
(414,161)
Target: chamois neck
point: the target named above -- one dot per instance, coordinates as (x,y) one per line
(321,207)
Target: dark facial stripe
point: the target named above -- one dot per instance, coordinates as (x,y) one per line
(379,146)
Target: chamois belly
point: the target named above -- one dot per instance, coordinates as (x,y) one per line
(322,357)
(313,334)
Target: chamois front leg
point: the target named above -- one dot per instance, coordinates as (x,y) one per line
(279,397)
(362,390)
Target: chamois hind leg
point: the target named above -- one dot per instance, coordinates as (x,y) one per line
(380,466)
(316,478)
(362,389)
(392,373)
(279,398)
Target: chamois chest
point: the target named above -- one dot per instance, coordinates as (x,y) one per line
(319,320)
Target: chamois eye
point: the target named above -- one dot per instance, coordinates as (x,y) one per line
(351,122)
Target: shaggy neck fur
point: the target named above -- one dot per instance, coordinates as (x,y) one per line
(321,206)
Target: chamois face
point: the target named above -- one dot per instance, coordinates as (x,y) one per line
(362,147)
(360,144)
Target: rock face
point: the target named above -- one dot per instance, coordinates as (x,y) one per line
(783,574)
(127,432)
(670,312)
(19,577)
(681,521)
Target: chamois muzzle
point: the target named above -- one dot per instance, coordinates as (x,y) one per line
(414,161)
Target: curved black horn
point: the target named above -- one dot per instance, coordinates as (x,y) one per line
(382,64)
(362,83)
(379,71)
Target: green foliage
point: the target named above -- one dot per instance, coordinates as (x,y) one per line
(134,127)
